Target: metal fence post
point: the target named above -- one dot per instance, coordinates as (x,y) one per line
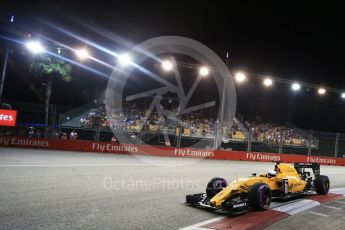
(309,142)
(336,147)
(280,150)
(176,135)
(216,136)
(179,137)
(159,136)
(97,130)
(140,136)
(249,138)
(3,75)
(60,121)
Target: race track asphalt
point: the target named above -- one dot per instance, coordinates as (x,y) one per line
(44,189)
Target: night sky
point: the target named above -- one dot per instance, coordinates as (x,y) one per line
(286,39)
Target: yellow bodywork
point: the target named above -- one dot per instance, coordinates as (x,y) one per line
(242,185)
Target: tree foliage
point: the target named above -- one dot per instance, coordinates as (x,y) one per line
(47,65)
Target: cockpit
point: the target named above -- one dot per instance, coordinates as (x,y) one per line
(271,173)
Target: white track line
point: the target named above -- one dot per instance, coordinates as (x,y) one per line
(318,214)
(338,191)
(196,226)
(340,202)
(331,207)
(298,206)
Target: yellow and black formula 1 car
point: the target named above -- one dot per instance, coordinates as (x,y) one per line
(284,182)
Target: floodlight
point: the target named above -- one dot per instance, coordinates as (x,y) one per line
(204,71)
(167,65)
(82,53)
(240,77)
(321,91)
(35,47)
(268,82)
(125,59)
(295,86)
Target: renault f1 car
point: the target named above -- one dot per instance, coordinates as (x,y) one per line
(256,192)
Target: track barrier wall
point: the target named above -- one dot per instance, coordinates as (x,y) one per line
(107,147)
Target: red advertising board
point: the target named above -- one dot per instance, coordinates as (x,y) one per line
(107,147)
(8,117)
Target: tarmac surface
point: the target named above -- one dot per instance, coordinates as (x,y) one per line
(44,189)
(325,216)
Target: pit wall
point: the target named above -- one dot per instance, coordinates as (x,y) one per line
(106,147)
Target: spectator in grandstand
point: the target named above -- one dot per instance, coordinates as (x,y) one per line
(38,133)
(56,134)
(8,131)
(167,143)
(113,139)
(64,136)
(73,135)
(31,131)
(203,132)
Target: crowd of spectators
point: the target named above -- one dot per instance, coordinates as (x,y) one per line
(132,118)
(73,135)
(232,129)
(38,132)
(273,133)
(199,124)
(93,118)
(28,131)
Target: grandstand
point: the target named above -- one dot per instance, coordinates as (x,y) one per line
(93,122)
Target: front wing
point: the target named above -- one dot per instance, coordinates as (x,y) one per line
(200,200)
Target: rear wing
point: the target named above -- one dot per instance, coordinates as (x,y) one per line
(314,166)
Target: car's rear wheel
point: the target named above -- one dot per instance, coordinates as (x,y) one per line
(214,186)
(260,196)
(321,184)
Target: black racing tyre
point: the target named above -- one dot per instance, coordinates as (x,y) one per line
(214,186)
(321,184)
(260,196)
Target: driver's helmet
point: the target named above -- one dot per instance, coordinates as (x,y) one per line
(271,173)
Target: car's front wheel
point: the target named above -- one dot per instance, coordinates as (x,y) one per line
(260,196)
(214,186)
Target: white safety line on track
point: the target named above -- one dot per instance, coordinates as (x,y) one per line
(340,202)
(331,207)
(196,226)
(338,191)
(318,214)
(298,206)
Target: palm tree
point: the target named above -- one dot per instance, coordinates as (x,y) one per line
(50,67)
